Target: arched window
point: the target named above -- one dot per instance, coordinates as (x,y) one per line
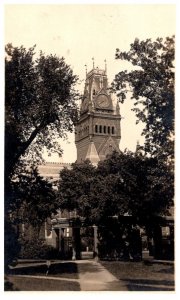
(113,130)
(96,128)
(104,129)
(108,129)
(100,129)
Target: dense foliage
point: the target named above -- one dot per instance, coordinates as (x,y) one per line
(125,183)
(40,107)
(40,104)
(74,188)
(151,84)
(125,190)
(36,249)
(33,200)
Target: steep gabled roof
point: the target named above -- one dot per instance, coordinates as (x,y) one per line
(92,154)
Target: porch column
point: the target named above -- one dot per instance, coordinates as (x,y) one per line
(73,245)
(76,243)
(95,241)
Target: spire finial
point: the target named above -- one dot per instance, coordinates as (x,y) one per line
(93,61)
(86,68)
(105,65)
(117,108)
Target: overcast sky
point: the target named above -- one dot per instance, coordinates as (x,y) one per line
(80,32)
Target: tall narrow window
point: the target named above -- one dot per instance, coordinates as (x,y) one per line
(96,128)
(67,232)
(113,130)
(104,129)
(100,129)
(108,129)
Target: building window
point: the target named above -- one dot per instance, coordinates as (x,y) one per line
(96,128)
(113,130)
(67,232)
(104,129)
(100,129)
(108,129)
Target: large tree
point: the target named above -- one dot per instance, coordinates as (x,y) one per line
(34,199)
(123,183)
(40,107)
(142,186)
(151,83)
(40,103)
(75,187)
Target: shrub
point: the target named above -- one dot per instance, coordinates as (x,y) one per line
(36,249)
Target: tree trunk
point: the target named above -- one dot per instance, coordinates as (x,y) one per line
(157,236)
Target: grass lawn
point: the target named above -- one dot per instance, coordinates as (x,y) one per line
(141,277)
(62,269)
(35,284)
(66,270)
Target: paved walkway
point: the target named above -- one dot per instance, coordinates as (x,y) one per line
(92,276)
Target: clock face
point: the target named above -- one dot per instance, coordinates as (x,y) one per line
(103,101)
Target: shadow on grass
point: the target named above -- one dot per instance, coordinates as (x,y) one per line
(148,285)
(141,277)
(38,284)
(169,270)
(9,286)
(68,270)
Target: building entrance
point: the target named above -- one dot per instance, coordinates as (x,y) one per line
(75,241)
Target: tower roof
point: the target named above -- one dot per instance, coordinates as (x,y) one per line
(96,71)
(92,154)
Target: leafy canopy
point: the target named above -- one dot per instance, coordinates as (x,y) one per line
(124,183)
(40,103)
(151,83)
(74,186)
(33,199)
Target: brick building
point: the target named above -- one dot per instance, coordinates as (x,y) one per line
(98,130)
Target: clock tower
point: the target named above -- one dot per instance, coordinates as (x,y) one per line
(97,132)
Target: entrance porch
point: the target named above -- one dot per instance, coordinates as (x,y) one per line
(73,239)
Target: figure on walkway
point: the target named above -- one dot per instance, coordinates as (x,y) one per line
(48,264)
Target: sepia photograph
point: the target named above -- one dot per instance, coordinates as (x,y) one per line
(89,159)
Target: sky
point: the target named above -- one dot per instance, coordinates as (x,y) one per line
(81,31)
